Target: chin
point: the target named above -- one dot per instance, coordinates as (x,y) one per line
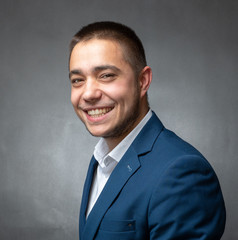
(96,133)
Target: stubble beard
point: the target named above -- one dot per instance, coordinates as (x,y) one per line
(127,125)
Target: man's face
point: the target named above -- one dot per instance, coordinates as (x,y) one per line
(104,92)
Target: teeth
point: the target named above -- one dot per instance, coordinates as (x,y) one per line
(99,112)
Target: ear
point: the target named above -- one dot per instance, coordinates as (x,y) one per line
(145,79)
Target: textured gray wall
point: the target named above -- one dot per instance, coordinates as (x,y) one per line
(192,47)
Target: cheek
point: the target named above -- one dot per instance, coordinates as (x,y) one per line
(121,90)
(74,97)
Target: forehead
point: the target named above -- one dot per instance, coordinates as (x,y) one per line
(97,47)
(97,50)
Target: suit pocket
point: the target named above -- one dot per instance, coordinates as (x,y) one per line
(118,226)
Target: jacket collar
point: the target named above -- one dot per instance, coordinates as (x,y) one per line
(146,138)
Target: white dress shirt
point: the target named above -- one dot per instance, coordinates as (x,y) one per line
(107,161)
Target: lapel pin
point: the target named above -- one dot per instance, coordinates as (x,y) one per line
(129,168)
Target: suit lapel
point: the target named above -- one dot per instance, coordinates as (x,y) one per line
(86,191)
(127,166)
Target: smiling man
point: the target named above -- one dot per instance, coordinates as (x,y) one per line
(143,182)
(100,80)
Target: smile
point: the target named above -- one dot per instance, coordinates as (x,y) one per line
(98,112)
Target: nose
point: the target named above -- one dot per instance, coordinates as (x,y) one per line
(92,92)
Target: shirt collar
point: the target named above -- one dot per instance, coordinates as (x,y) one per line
(101,151)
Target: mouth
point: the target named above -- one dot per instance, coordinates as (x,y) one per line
(98,112)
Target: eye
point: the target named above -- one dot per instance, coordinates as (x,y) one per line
(109,76)
(77,81)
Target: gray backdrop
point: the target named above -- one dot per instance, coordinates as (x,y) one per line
(192,48)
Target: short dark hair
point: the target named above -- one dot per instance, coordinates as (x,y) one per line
(133,49)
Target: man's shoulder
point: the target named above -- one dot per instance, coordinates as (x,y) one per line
(171,141)
(163,145)
(160,138)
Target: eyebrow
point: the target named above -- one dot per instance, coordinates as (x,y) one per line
(95,69)
(105,67)
(74,72)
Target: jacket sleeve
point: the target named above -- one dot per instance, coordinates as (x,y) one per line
(187,202)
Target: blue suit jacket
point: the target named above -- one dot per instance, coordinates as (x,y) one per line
(162,188)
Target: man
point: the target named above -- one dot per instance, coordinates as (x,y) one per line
(143,182)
